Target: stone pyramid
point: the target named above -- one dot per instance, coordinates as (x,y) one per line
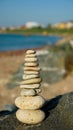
(30,102)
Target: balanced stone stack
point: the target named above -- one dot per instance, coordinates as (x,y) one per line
(29,102)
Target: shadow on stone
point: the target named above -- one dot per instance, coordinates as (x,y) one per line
(59,117)
(49,105)
(5,113)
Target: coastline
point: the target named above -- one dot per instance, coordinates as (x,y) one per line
(65,39)
(21,51)
(39,34)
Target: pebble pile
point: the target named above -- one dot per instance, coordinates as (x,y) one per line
(29,102)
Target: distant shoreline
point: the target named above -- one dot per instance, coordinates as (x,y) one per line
(29,42)
(40,34)
(65,38)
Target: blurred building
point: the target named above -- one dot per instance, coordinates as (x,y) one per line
(12,28)
(3,29)
(23,27)
(70,24)
(63,25)
(31,24)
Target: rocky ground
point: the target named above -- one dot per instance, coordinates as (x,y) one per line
(59,116)
(59,109)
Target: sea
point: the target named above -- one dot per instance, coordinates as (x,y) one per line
(10,42)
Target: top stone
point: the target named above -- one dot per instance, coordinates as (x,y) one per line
(30,52)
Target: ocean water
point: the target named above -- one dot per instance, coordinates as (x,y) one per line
(19,42)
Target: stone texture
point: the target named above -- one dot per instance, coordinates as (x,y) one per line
(28,92)
(33,59)
(30,55)
(31,68)
(31,72)
(59,116)
(29,102)
(25,77)
(31,64)
(32,86)
(31,81)
(30,116)
(30,52)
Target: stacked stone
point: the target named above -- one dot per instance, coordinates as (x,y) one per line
(29,102)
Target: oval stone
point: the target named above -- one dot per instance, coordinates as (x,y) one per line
(30,59)
(31,64)
(31,72)
(31,81)
(30,55)
(29,102)
(31,68)
(30,86)
(30,116)
(28,92)
(25,76)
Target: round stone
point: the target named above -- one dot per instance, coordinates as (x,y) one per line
(30,76)
(31,72)
(31,68)
(33,86)
(31,81)
(31,64)
(29,102)
(30,52)
(28,92)
(33,59)
(30,116)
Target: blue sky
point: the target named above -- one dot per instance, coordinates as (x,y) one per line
(18,12)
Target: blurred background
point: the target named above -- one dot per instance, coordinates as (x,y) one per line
(45,26)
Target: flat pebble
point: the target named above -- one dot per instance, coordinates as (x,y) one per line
(31,81)
(33,86)
(28,92)
(32,68)
(31,64)
(30,76)
(33,59)
(30,116)
(30,55)
(31,72)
